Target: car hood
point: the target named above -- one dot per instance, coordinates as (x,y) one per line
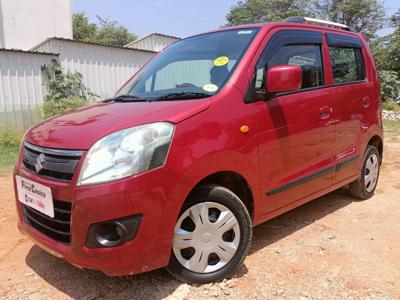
(81,128)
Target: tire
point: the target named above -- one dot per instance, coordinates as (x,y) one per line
(222,208)
(363,187)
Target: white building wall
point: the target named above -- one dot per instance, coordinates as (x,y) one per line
(104,69)
(153,42)
(21,86)
(26,23)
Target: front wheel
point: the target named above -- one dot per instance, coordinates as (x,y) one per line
(365,185)
(212,236)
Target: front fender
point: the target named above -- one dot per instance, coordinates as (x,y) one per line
(212,142)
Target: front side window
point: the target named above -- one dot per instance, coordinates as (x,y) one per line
(347,65)
(308,57)
(196,67)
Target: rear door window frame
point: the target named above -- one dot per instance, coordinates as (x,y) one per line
(341,41)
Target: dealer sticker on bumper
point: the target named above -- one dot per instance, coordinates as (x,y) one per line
(35,195)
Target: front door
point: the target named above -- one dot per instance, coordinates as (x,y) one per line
(295,130)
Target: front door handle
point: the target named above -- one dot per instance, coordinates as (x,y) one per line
(325,112)
(365,102)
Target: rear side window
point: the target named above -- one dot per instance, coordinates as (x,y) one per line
(347,60)
(347,65)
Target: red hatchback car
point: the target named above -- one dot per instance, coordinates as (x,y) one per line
(218,133)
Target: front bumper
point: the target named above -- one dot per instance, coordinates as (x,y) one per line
(154,195)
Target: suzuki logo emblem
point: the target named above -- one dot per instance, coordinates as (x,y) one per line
(40,160)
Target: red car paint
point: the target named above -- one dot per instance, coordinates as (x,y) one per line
(290,137)
(284,78)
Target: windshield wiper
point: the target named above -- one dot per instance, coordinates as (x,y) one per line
(126,98)
(181,96)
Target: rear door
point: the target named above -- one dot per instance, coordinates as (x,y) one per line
(352,93)
(295,132)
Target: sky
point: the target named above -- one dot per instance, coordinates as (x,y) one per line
(180,18)
(173,17)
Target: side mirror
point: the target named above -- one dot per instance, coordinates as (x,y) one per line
(283,78)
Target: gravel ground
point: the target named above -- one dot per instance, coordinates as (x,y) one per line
(391,115)
(334,247)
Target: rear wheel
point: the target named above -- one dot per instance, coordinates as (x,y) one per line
(212,236)
(365,185)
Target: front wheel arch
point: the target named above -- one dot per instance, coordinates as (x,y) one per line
(234,182)
(217,194)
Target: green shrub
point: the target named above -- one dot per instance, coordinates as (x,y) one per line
(390,84)
(10,138)
(391,105)
(54,107)
(61,84)
(65,91)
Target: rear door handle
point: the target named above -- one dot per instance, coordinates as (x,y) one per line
(325,112)
(365,102)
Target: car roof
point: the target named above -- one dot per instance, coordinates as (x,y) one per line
(283,23)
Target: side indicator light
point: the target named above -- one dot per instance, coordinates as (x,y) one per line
(244,129)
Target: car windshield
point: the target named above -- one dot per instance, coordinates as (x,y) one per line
(193,68)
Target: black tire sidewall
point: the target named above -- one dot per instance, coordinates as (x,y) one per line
(221,195)
(370,151)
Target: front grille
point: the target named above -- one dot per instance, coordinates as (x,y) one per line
(57,228)
(51,163)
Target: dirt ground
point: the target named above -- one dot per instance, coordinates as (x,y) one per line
(334,247)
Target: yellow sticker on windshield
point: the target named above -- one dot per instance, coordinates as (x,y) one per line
(221,61)
(210,88)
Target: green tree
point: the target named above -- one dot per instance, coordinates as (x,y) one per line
(260,11)
(395,20)
(112,33)
(390,84)
(367,16)
(106,32)
(83,30)
(386,49)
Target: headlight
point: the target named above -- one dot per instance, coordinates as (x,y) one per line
(127,152)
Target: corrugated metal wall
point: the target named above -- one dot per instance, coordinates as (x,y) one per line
(22,92)
(21,86)
(153,42)
(104,69)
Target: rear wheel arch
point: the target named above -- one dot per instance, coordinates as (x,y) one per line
(365,185)
(377,142)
